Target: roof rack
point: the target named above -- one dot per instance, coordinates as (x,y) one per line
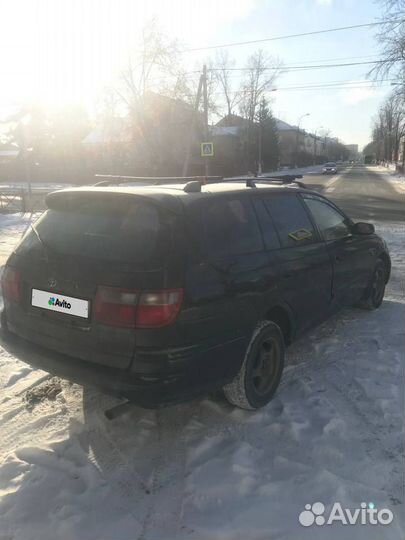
(280,179)
(192,184)
(112,179)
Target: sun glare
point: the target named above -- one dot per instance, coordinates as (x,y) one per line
(56,52)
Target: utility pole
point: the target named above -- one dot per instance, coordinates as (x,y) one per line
(193,119)
(259,167)
(205,98)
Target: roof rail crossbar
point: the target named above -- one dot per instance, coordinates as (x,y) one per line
(286,177)
(250,182)
(111,179)
(283,179)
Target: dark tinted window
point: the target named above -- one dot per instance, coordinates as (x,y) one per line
(332,224)
(108,229)
(230,226)
(290,219)
(269,232)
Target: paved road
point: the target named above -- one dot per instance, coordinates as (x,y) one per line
(363,192)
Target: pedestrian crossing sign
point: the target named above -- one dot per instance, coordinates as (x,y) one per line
(207,149)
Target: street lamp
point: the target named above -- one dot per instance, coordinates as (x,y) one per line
(298,132)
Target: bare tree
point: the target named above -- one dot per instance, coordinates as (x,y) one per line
(223,74)
(155,60)
(261,73)
(391,37)
(389,128)
(154,67)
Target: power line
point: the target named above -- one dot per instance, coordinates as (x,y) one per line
(375,55)
(286,67)
(322,88)
(333,85)
(299,68)
(336,83)
(289,36)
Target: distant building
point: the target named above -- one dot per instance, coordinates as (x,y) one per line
(353,150)
(298,147)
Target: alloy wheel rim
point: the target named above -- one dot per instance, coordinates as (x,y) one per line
(265,366)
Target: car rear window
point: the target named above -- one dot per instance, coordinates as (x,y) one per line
(290,219)
(110,229)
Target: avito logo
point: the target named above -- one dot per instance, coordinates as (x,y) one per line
(367,514)
(60,303)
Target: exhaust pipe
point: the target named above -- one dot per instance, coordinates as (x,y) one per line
(118,410)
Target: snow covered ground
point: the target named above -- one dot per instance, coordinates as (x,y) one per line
(396,179)
(204,470)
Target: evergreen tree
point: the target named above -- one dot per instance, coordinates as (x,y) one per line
(268,134)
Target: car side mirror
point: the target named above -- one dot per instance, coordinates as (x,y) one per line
(363,228)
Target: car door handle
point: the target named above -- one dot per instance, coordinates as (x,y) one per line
(339,258)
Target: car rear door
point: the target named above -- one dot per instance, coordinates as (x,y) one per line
(226,273)
(305,271)
(349,254)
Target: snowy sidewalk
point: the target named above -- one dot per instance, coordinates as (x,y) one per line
(397,180)
(206,471)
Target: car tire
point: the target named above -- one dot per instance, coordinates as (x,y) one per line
(374,293)
(260,373)
(3,325)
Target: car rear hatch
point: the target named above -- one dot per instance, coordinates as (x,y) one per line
(88,266)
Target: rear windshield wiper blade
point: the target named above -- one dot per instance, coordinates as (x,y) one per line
(47,249)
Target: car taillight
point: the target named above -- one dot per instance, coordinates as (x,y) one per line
(158,308)
(11,284)
(116,307)
(135,309)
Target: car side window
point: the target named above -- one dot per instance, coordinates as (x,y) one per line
(230,226)
(270,236)
(331,223)
(290,219)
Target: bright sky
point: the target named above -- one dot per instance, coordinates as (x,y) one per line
(67,51)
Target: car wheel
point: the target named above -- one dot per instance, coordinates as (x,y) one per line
(260,374)
(3,325)
(374,293)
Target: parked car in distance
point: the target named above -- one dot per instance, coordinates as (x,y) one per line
(163,293)
(329,168)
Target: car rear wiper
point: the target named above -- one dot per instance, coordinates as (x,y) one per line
(47,249)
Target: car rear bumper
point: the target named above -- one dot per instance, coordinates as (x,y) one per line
(158,380)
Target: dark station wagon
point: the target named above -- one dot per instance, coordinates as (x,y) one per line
(162,293)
